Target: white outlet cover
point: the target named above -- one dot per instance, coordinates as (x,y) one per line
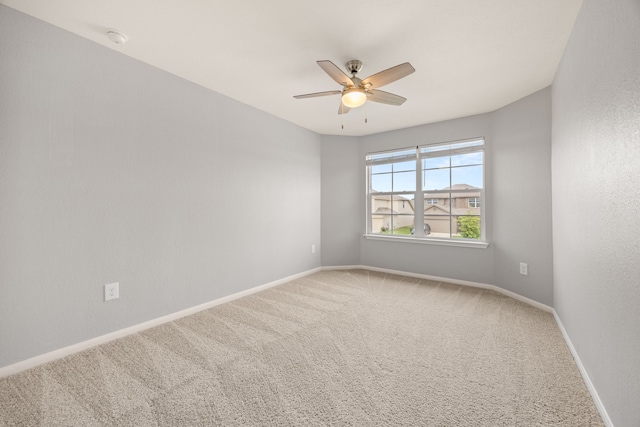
(111,291)
(524,269)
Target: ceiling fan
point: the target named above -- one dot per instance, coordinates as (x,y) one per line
(356,92)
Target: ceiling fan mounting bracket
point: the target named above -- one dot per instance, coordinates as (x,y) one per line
(354,66)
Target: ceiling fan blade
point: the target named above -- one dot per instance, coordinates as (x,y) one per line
(389,75)
(385,97)
(314,95)
(343,109)
(335,73)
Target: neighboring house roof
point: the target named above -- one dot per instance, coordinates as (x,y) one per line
(461,187)
(455,195)
(383,197)
(432,209)
(384,211)
(442,192)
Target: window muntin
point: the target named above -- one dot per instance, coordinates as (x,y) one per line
(445,181)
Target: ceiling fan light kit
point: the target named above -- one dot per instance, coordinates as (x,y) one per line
(354,97)
(356,92)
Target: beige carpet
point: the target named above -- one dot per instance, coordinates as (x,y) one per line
(344,348)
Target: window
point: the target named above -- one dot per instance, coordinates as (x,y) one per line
(404,188)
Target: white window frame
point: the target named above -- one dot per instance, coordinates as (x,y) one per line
(419,201)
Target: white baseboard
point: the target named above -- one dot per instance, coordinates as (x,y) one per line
(585,375)
(448,280)
(75,348)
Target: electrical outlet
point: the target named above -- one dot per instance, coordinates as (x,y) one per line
(313,249)
(111,291)
(524,269)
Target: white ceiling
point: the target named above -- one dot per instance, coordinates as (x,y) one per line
(470,56)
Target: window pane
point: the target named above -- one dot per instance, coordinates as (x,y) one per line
(467,159)
(380,213)
(380,203)
(380,168)
(381,183)
(404,181)
(401,224)
(438,225)
(435,163)
(468,227)
(404,166)
(391,214)
(435,179)
(470,175)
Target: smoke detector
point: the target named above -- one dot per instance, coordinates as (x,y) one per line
(116,37)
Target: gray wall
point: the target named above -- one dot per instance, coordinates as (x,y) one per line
(342,197)
(596,203)
(112,170)
(518,201)
(521,192)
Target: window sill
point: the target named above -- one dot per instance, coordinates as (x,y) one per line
(475,244)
